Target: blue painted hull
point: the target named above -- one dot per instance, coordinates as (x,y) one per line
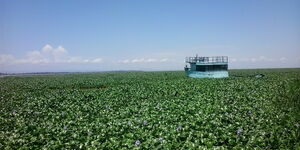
(211,74)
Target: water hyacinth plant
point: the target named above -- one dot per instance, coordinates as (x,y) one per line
(151,110)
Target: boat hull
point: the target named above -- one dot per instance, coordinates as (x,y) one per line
(210,74)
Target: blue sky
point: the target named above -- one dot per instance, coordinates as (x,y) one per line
(78,35)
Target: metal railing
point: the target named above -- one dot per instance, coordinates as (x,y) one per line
(214,59)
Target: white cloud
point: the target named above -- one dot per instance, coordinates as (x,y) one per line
(59,51)
(144,60)
(47,48)
(232,59)
(34,54)
(75,60)
(263,58)
(243,59)
(46,55)
(282,59)
(253,59)
(6,59)
(125,61)
(164,60)
(97,60)
(137,60)
(256,59)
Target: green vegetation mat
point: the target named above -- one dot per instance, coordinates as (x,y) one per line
(151,110)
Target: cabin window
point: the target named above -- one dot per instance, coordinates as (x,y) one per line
(211,68)
(200,68)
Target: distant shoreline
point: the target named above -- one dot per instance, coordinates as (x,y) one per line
(116,71)
(62,73)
